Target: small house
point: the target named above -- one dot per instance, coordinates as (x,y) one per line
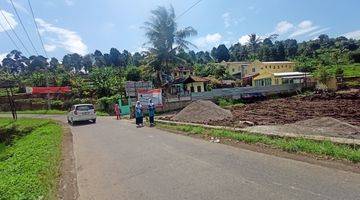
(196,84)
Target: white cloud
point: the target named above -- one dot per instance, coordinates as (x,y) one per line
(227,19)
(50,47)
(69,2)
(2,56)
(63,38)
(318,32)
(303,27)
(283,27)
(210,39)
(10,18)
(353,34)
(230,20)
(244,39)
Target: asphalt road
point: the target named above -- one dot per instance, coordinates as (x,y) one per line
(116,160)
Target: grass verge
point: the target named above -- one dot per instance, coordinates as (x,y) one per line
(29,165)
(50,112)
(293,145)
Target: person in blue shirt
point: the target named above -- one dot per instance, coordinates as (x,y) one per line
(151,112)
(139,114)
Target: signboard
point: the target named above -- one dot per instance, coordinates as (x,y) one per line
(131,87)
(155,95)
(45,90)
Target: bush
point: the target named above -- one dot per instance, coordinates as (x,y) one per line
(106,104)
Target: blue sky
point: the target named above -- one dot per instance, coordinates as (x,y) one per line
(81,26)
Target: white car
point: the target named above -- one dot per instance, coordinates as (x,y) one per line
(82,112)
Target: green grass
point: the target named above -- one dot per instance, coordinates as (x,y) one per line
(351,70)
(228,103)
(29,167)
(51,112)
(294,145)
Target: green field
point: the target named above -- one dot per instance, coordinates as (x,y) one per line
(351,70)
(30,151)
(294,145)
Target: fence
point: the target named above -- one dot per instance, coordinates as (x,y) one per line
(245,92)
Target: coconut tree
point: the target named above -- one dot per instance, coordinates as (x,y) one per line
(165,39)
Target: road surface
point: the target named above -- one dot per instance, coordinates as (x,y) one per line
(116,160)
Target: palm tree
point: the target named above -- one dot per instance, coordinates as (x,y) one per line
(165,40)
(254,42)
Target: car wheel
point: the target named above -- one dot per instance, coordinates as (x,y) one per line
(94,121)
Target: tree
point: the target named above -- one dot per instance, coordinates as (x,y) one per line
(107,81)
(203,57)
(107,59)
(254,43)
(115,57)
(291,48)
(72,62)
(165,40)
(99,59)
(239,52)
(127,58)
(54,63)
(137,59)
(133,74)
(15,63)
(88,62)
(222,53)
(323,75)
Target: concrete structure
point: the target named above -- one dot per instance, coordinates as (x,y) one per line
(261,73)
(182,72)
(280,78)
(196,84)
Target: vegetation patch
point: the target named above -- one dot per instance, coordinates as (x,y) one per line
(51,112)
(29,162)
(293,145)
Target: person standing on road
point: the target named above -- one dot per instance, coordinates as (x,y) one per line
(151,112)
(139,114)
(117,111)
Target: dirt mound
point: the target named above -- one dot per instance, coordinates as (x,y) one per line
(202,112)
(324,126)
(293,109)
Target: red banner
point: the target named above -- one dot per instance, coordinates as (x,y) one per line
(50,90)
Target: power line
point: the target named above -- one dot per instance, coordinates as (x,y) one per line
(22,25)
(187,10)
(37,28)
(13,31)
(12,40)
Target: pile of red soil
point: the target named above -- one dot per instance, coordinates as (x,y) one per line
(202,112)
(345,107)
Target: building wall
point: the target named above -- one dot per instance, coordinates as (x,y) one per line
(196,85)
(247,69)
(237,67)
(267,69)
(178,74)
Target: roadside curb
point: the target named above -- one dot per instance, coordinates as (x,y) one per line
(289,135)
(68,187)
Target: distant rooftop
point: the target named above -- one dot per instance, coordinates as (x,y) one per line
(291,74)
(274,62)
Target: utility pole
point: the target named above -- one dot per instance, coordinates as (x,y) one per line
(47,85)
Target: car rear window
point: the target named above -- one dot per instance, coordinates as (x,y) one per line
(85,107)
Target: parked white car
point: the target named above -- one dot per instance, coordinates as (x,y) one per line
(82,112)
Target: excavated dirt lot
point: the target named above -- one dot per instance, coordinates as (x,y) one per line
(342,106)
